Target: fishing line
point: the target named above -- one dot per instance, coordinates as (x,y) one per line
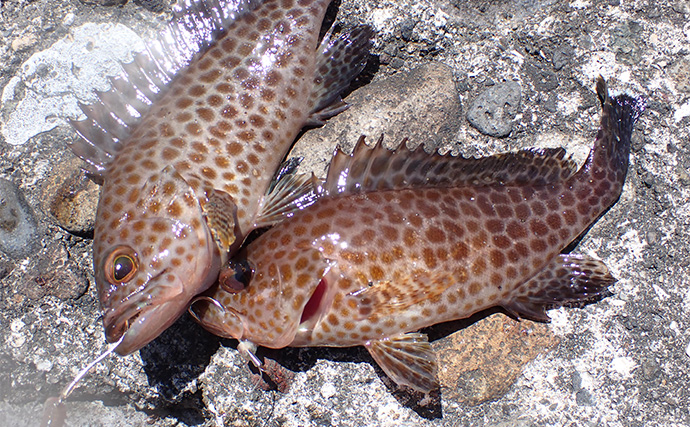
(54,412)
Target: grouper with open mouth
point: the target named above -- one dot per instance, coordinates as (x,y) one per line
(402,240)
(188,140)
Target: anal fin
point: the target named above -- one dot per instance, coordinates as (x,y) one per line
(407,359)
(568,279)
(339,61)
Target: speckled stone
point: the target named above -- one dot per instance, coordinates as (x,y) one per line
(425,96)
(70,197)
(492,112)
(482,361)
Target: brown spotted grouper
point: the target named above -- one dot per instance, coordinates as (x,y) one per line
(188,139)
(404,240)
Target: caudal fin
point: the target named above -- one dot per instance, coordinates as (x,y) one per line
(609,157)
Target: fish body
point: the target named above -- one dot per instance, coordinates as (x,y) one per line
(405,240)
(185,178)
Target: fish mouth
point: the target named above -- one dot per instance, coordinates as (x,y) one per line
(216,318)
(143,316)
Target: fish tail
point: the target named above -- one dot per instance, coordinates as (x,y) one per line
(599,182)
(607,163)
(619,117)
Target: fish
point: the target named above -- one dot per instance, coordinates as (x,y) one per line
(188,139)
(402,240)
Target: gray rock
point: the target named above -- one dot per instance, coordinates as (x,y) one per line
(425,96)
(105,2)
(154,5)
(630,352)
(682,6)
(583,397)
(493,111)
(626,42)
(680,71)
(18,234)
(550,104)
(544,80)
(561,56)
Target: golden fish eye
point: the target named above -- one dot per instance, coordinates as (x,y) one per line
(121,265)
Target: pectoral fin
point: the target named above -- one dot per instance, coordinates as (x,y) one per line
(407,359)
(386,297)
(567,279)
(220,211)
(288,193)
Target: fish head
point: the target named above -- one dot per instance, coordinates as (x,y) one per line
(266,292)
(149,262)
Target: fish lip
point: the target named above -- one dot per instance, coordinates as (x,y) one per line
(236,332)
(133,317)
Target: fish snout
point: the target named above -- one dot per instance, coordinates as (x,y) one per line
(141,317)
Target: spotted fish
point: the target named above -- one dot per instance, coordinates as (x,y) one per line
(188,139)
(404,240)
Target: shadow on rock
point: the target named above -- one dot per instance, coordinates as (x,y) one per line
(174,360)
(281,364)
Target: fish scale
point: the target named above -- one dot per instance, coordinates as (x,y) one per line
(186,144)
(224,124)
(405,240)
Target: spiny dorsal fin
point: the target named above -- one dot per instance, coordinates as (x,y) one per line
(195,26)
(338,61)
(378,168)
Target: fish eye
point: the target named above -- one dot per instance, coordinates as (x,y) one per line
(121,265)
(236,276)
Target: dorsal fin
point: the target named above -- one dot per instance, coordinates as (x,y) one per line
(338,61)
(378,168)
(196,24)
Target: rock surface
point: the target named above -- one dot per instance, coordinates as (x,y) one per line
(624,361)
(17,222)
(493,111)
(424,96)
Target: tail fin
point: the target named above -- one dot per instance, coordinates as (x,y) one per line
(599,182)
(567,280)
(612,147)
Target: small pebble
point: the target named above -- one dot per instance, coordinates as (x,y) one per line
(493,111)
(71,198)
(24,42)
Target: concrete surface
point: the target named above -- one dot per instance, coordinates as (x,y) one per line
(624,361)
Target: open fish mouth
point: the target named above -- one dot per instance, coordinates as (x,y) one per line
(143,316)
(225,321)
